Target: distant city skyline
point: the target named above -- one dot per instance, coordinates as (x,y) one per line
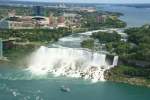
(91,1)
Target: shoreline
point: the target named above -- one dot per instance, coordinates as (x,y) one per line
(111,75)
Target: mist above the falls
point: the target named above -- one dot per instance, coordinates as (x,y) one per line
(68,62)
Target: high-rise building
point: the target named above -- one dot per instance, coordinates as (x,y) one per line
(101,18)
(38,11)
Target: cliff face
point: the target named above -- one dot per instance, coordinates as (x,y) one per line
(113,75)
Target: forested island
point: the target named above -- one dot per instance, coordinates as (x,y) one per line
(134,66)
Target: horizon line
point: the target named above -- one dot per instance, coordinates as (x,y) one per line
(73,2)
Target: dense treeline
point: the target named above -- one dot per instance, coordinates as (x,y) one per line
(89,43)
(140,37)
(105,37)
(137,47)
(114,23)
(90,21)
(129,74)
(113,43)
(131,71)
(34,35)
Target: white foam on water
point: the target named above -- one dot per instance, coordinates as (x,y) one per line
(68,62)
(91,32)
(67,39)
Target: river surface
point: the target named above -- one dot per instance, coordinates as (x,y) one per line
(21,84)
(18,84)
(133,16)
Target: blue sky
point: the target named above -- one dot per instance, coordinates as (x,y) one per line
(95,1)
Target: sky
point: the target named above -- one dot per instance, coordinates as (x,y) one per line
(93,1)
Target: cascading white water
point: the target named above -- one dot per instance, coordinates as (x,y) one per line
(68,59)
(68,62)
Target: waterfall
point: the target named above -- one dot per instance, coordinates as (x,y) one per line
(67,58)
(68,62)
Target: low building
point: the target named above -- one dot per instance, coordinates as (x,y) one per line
(61,19)
(72,19)
(24,22)
(51,22)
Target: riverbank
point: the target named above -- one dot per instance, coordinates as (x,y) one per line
(120,74)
